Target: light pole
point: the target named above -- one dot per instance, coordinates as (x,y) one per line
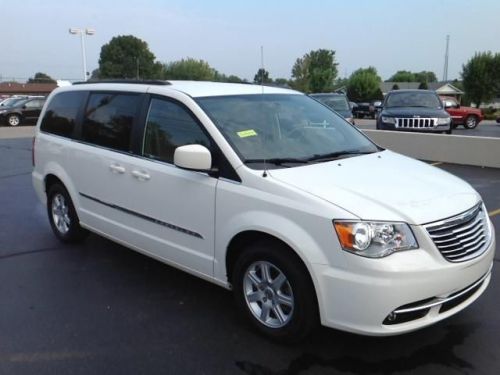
(82,33)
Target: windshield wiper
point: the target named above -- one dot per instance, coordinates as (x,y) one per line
(337,155)
(278,161)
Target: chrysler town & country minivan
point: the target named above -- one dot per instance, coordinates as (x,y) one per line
(266,192)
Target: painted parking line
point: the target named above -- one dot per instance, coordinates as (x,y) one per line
(494,212)
(437,163)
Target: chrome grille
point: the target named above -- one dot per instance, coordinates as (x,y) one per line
(419,123)
(461,237)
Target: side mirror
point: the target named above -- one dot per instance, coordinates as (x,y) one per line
(193,157)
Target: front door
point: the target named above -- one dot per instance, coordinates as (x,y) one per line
(145,201)
(32,109)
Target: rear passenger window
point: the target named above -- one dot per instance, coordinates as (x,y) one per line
(60,115)
(170,125)
(108,120)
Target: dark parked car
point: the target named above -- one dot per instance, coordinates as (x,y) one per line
(367,109)
(24,111)
(361,110)
(338,102)
(414,110)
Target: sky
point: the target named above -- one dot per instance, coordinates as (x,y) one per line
(390,35)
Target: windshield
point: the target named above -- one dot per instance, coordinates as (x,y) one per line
(283,127)
(413,99)
(335,102)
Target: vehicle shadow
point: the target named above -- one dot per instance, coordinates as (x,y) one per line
(177,304)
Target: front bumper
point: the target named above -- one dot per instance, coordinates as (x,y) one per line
(419,286)
(434,129)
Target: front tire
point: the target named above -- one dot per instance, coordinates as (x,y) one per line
(14,120)
(62,215)
(272,287)
(470,122)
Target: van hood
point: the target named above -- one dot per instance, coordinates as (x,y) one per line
(384,186)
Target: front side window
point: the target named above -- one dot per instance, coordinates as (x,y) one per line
(170,125)
(108,120)
(61,113)
(281,127)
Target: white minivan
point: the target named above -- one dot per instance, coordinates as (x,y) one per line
(269,193)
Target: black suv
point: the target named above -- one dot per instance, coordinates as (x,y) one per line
(23,111)
(414,110)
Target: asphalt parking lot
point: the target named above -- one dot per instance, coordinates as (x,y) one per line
(486,128)
(99,308)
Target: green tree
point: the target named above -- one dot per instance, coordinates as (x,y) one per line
(407,76)
(364,85)
(425,76)
(496,74)
(126,56)
(95,74)
(283,82)
(480,77)
(300,74)
(402,76)
(41,78)
(322,70)
(262,76)
(191,69)
(340,84)
(315,72)
(231,79)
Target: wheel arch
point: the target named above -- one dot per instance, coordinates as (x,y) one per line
(54,173)
(50,180)
(251,236)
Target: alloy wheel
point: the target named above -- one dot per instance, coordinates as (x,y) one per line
(268,294)
(60,213)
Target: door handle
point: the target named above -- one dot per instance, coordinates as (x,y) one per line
(117,168)
(141,175)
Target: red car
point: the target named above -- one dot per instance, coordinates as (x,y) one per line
(467,116)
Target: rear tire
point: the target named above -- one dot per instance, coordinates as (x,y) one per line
(470,122)
(272,287)
(62,215)
(14,120)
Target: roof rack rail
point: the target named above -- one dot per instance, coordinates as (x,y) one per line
(130,81)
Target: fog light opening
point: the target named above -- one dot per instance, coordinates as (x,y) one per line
(392,317)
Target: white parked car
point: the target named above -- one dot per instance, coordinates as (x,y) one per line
(269,193)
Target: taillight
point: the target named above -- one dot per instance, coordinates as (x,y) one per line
(33,152)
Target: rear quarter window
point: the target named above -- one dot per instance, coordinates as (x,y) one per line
(61,113)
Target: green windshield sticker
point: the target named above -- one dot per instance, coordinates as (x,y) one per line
(247,133)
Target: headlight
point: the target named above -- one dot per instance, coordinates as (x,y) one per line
(388,120)
(374,239)
(443,121)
